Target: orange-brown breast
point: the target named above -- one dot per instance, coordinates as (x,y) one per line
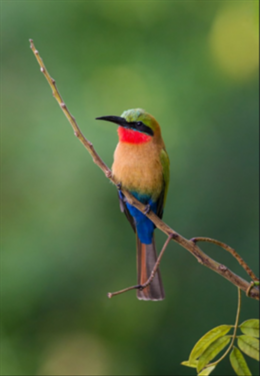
(138,167)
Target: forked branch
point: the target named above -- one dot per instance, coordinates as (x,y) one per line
(190,245)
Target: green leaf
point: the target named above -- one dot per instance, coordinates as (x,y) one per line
(207,371)
(192,364)
(250,327)
(207,339)
(238,363)
(212,351)
(249,345)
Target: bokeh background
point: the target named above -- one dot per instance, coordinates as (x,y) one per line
(65,243)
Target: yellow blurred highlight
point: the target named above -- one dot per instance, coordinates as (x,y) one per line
(234,41)
(75,354)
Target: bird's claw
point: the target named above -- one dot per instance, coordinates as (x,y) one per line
(119,186)
(147,209)
(108,174)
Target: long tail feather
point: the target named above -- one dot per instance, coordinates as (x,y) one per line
(146,259)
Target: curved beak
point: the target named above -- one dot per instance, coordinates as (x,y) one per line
(115,119)
(135,125)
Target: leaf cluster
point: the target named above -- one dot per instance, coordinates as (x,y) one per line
(217,339)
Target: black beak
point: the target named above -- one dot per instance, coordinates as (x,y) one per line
(136,125)
(115,119)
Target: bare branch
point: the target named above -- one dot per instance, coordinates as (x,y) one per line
(190,245)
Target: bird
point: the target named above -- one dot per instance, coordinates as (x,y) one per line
(141,165)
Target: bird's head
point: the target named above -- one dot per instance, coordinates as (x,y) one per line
(135,126)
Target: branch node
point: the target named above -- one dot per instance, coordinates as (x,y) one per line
(42,70)
(76,134)
(223,268)
(63,105)
(36,52)
(248,291)
(109,295)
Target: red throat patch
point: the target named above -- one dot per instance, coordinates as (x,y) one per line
(132,137)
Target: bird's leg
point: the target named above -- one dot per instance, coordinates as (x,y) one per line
(147,209)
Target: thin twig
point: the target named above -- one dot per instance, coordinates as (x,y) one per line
(149,280)
(230,250)
(234,333)
(185,243)
(111,294)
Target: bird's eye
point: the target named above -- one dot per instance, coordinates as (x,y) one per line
(139,123)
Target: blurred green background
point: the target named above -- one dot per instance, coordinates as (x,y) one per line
(65,244)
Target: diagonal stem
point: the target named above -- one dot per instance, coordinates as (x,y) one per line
(234,333)
(149,280)
(191,246)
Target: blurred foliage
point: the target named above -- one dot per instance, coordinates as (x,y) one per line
(65,244)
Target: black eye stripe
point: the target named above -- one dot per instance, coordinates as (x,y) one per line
(140,126)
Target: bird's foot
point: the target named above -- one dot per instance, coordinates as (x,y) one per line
(108,174)
(119,186)
(147,209)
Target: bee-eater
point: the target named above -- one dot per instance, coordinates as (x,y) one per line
(141,165)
